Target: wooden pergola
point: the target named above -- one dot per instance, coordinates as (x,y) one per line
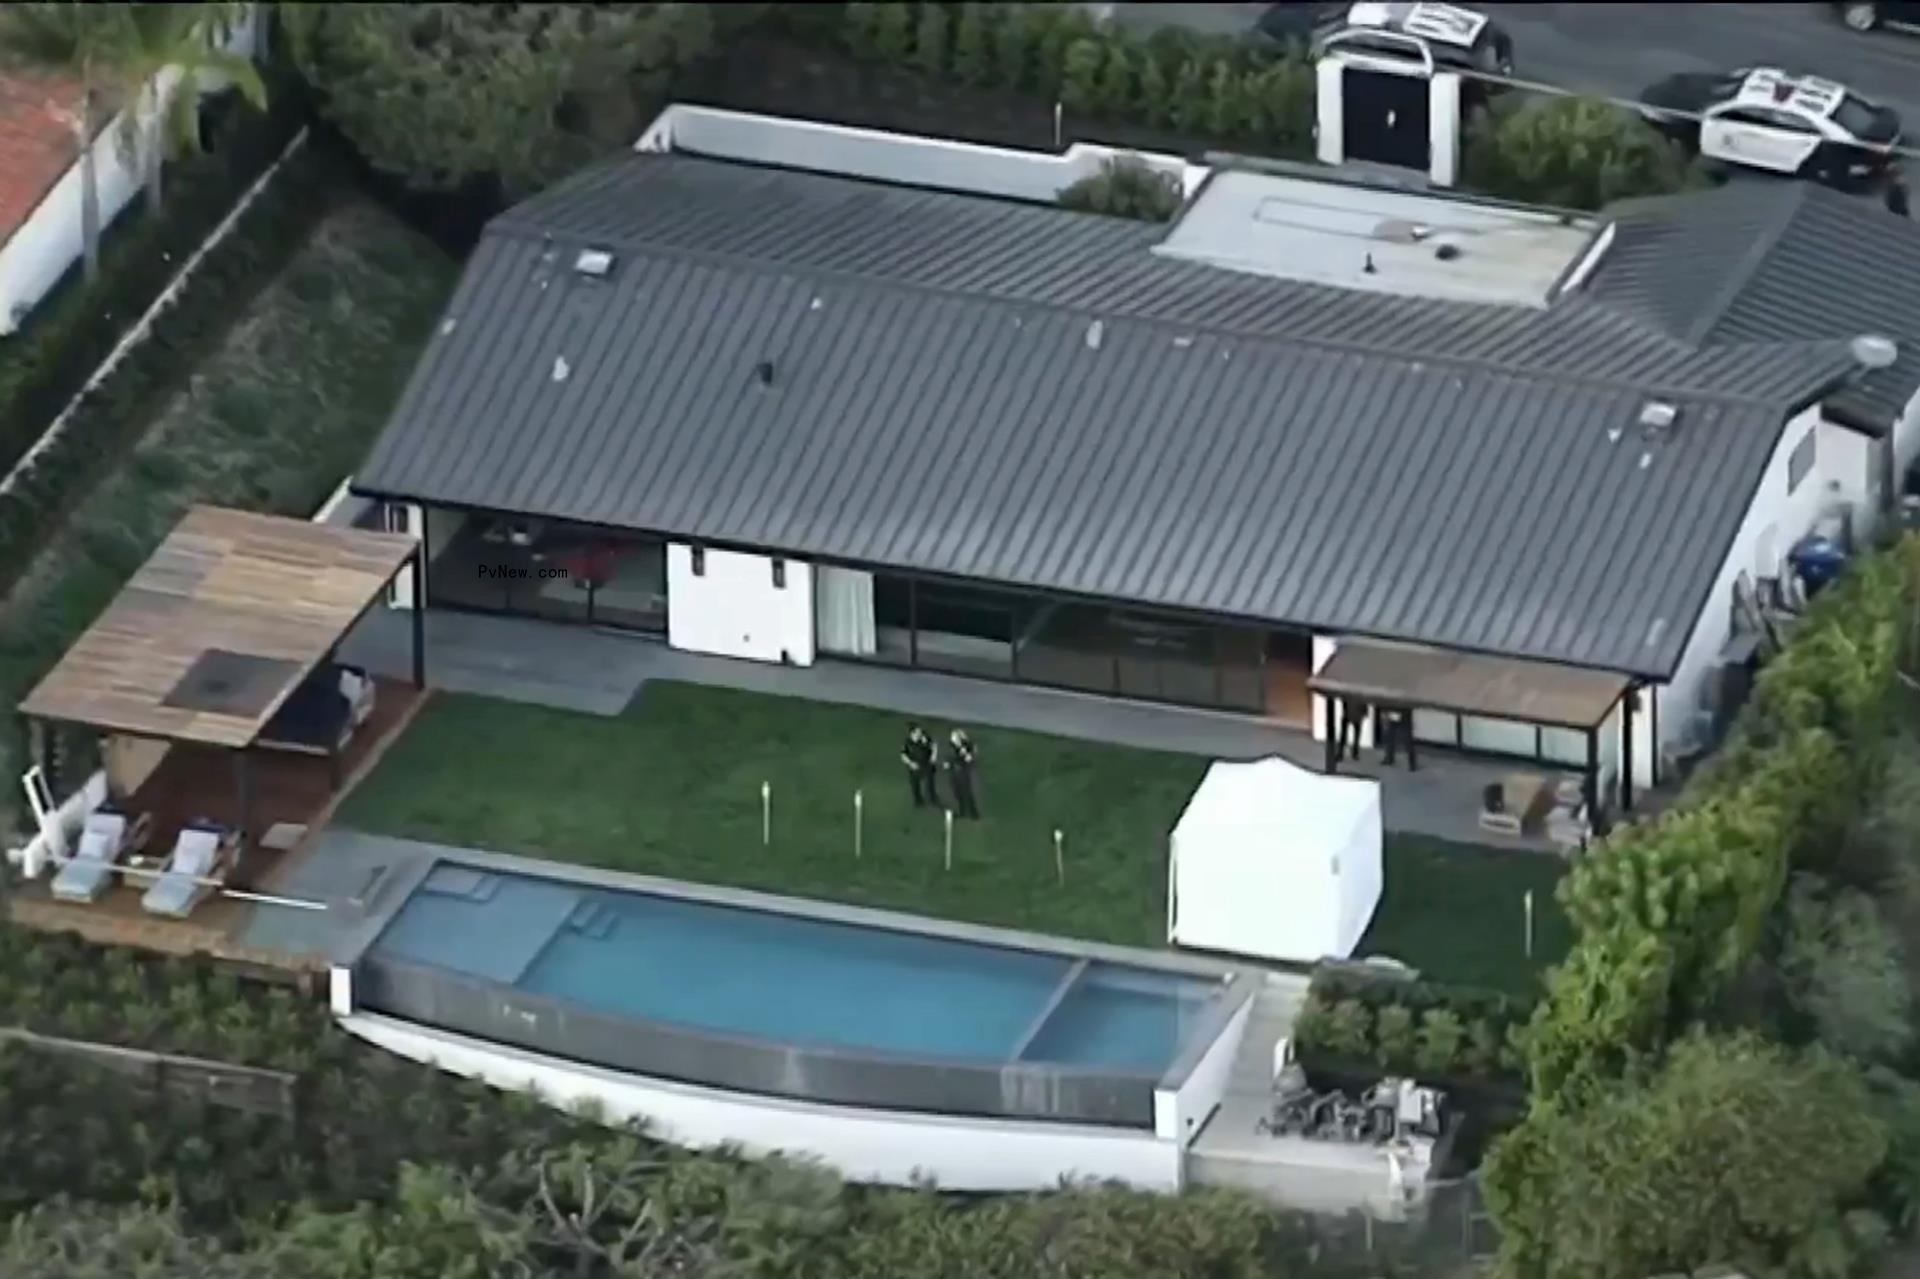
(1403,678)
(214,633)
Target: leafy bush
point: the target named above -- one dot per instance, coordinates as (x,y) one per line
(1443,1038)
(974,48)
(1641,1181)
(264,240)
(1841,969)
(44,366)
(1578,153)
(930,40)
(1117,93)
(1346,1031)
(1393,1034)
(892,32)
(1080,75)
(1125,187)
(860,28)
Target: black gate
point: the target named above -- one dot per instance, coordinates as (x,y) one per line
(1386,118)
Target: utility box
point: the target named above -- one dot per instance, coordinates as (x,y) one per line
(1382,100)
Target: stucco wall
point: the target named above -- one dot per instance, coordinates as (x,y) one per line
(734,607)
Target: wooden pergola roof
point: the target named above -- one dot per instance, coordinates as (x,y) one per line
(214,632)
(1469,684)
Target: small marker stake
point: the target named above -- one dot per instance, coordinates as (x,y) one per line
(859,821)
(1527,903)
(949,817)
(766,814)
(1060,855)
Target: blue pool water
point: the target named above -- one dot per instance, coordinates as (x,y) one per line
(767,976)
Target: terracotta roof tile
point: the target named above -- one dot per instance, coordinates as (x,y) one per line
(36,144)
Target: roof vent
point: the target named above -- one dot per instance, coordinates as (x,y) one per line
(1657,417)
(1367,267)
(1095,332)
(594,263)
(1447,252)
(1871,351)
(764,371)
(561,368)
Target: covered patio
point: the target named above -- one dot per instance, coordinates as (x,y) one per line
(1388,683)
(223,717)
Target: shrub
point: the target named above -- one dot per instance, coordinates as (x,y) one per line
(860,29)
(1348,1030)
(1225,112)
(1189,112)
(974,48)
(1116,92)
(1841,969)
(1442,1039)
(1156,95)
(892,33)
(930,40)
(1081,74)
(1579,153)
(1393,1036)
(1485,1047)
(1013,38)
(1056,30)
(1126,187)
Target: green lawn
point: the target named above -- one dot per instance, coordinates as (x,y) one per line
(673,788)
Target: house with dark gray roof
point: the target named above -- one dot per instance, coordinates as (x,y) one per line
(1529,479)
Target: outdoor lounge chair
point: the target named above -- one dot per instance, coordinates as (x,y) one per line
(107,836)
(199,854)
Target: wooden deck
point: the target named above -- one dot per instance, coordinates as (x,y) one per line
(197,782)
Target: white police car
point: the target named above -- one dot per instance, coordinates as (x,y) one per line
(1765,118)
(1453,36)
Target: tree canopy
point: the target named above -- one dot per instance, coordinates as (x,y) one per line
(439,94)
(1578,153)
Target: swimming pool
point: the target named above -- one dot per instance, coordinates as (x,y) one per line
(788,1003)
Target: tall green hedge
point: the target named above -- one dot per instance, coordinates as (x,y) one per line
(58,349)
(1666,914)
(1214,87)
(263,241)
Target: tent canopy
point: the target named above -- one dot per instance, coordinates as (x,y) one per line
(1276,861)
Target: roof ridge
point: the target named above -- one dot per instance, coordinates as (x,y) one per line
(1788,204)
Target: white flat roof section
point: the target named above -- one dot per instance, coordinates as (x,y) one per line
(1378,241)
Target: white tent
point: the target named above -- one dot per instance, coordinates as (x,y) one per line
(1275,861)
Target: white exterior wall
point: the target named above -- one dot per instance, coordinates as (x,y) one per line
(893,157)
(35,257)
(1775,520)
(733,608)
(1906,442)
(1179,1114)
(887,1147)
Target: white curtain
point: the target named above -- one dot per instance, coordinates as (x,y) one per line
(843,609)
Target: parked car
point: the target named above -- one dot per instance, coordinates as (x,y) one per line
(1453,36)
(1866,15)
(1764,118)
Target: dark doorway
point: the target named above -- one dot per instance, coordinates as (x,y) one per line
(1386,118)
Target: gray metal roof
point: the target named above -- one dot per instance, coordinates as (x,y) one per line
(942,401)
(1774,262)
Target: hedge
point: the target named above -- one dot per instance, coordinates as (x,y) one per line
(1667,914)
(44,366)
(1354,1021)
(1216,87)
(233,272)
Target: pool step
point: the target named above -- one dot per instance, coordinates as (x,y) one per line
(462,882)
(591,919)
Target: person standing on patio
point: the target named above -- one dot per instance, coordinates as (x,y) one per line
(960,761)
(1395,729)
(918,756)
(1353,719)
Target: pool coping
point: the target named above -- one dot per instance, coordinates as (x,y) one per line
(413,860)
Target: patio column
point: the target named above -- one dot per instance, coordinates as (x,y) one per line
(1627,701)
(243,787)
(1593,773)
(420,609)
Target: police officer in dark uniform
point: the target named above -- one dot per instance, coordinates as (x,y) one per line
(918,756)
(961,757)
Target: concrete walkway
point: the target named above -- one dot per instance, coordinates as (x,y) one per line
(598,672)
